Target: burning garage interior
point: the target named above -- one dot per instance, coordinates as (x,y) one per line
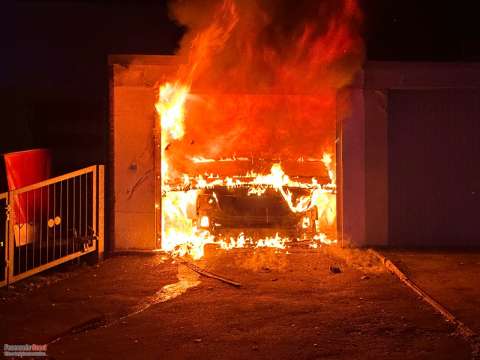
(275,183)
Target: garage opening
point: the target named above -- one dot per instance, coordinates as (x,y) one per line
(234,141)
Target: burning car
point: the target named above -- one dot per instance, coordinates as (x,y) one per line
(251,210)
(223,210)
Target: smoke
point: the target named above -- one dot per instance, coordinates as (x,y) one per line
(265,74)
(271,45)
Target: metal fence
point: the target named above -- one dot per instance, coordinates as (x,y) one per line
(52,222)
(3,237)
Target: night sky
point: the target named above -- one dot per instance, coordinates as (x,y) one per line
(422,30)
(61,47)
(59,51)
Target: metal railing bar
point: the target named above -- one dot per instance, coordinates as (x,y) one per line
(86,205)
(53,218)
(55,180)
(68,201)
(50,265)
(5,243)
(26,233)
(73,218)
(10,237)
(41,223)
(18,247)
(80,197)
(34,228)
(48,216)
(61,215)
(94,203)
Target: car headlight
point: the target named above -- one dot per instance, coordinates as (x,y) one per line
(204,221)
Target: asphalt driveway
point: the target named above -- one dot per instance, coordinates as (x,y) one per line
(290,305)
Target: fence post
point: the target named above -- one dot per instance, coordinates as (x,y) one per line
(101,210)
(5,243)
(10,240)
(94,206)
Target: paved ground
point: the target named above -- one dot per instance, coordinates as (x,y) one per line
(451,277)
(290,306)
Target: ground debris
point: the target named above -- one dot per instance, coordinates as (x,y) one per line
(335,269)
(461,330)
(209,274)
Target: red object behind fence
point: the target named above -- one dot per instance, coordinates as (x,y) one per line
(24,168)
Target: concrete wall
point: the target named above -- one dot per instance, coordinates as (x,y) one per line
(132,123)
(351,167)
(376,166)
(134,167)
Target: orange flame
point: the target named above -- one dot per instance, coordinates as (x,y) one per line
(265,83)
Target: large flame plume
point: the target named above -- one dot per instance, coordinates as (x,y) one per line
(265,75)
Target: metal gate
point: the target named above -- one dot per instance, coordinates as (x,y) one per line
(52,222)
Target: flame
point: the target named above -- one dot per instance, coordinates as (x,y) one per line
(273,242)
(171,106)
(265,74)
(268,79)
(327,161)
(181,237)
